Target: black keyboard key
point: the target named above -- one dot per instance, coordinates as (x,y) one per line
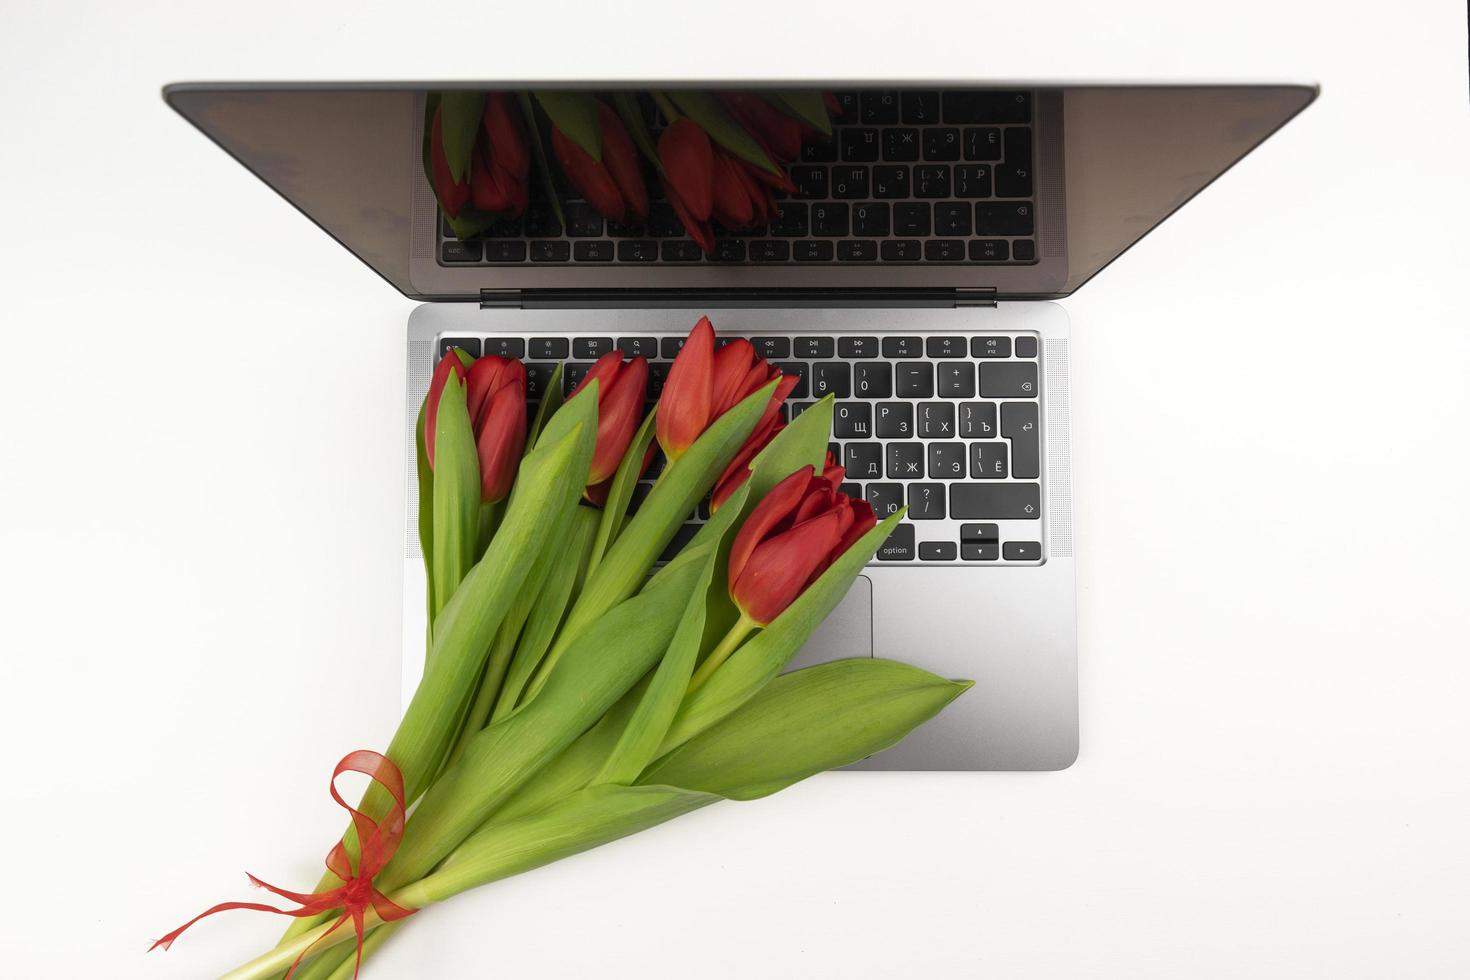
(771,347)
(990,347)
(552,251)
(798,370)
(1025,346)
(977,420)
(995,501)
(895,420)
(915,380)
(663,221)
(538,375)
(900,544)
(1020,424)
(470,345)
(945,346)
(615,230)
(499,251)
(819,150)
(891,181)
(946,460)
(985,106)
(989,250)
(1022,551)
(951,220)
(853,490)
(1009,218)
(592,251)
(512,347)
(878,108)
(926,502)
(813,347)
(1013,180)
(931,181)
(902,347)
(680,251)
(885,498)
(937,551)
(810,251)
(1018,146)
(979,552)
(988,460)
(541,222)
(461,251)
(791,222)
(550,348)
(1010,380)
(850,183)
(811,182)
(920,107)
(582,221)
(591,348)
(863,460)
(972,180)
(857,346)
(982,143)
(980,533)
(572,373)
(669,347)
(901,145)
(901,250)
(857,251)
(872,380)
(859,145)
(847,106)
(830,220)
(728,250)
(871,220)
(956,379)
(831,378)
(853,420)
(770,251)
(505,228)
(942,145)
(1023,250)
(639,346)
(912,219)
(945,250)
(936,420)
(637,251)
(905,461)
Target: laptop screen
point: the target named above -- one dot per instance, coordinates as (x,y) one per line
(1026,189)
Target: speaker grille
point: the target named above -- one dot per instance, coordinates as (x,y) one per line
(420,369)
(1058,448)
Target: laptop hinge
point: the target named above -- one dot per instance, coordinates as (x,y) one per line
(776,298)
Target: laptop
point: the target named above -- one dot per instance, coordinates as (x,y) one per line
(911,272)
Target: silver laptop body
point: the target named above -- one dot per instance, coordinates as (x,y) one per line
(980,583)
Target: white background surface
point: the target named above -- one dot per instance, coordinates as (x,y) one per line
(200,401)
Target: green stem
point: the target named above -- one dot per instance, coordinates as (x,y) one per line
(742,628)
(664,105)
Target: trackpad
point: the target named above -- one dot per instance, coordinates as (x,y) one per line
(847,633)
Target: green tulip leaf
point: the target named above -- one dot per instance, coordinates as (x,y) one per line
(538,154)
(706,110)
(806,722)
(805,104)
(761,657)
(620,493)
(456,495)
(460,124)
(626,102)
(551,400)
(575,114)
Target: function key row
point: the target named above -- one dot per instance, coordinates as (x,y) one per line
(947,250)
(924,107)
(810,348)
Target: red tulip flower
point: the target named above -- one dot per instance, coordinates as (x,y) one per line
(495,395)
(621,389)
(500,168)
(614,186)
(778,134)
(688,160)
(741,200)
(452,196)
(705,383)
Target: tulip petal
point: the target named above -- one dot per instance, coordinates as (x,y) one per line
(739,469)
(484,378)
(689,163)
(684,407)
(619,409)
(591,179)
(731,365)
(775,507)
(621,159)
(780,567)
(506,136)
(449,363)
(501,435)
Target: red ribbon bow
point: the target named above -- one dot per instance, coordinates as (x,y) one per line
(378,840)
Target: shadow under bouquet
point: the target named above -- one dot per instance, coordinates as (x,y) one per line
(583,679)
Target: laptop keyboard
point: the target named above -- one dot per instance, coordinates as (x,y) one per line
(909,177)
(948,424)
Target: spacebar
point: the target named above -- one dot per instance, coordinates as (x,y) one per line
(997,501)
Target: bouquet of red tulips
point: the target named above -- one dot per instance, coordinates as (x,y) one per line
(719,158)
(576,690)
